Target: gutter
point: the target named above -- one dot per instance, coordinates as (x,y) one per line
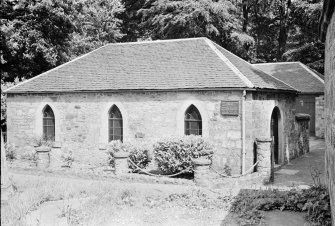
(153,90)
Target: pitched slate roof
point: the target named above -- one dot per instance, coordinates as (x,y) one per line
(296,74)
(195,63)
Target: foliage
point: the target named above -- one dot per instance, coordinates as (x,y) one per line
(40,141)
(139,152)
(315,201)
(96,24)
(35,36)
(303,39)
(67,157)
(10,151)
(217,20)
(5,86)
(175,154)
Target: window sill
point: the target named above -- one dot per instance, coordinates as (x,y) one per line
(102,146)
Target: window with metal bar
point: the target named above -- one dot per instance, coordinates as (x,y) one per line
(115,124)
(193,122)
(48,123)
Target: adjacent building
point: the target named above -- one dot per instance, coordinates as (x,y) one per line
(327,33)
(309,83)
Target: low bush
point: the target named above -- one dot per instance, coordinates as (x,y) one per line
(315,201)
(67,157)
(175,154)
(139,153)
(39,141)
(10,151)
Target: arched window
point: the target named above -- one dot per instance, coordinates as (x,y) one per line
(115,125)
(48,123)
(193,122)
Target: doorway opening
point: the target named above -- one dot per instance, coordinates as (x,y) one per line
(275,135)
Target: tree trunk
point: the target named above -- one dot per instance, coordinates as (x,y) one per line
(245,15)
(284,10)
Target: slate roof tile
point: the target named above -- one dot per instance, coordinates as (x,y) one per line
(296,75)
(156,65)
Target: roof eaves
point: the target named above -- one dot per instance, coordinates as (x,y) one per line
(53,69)
(155,41)
(133,90)
(227,62)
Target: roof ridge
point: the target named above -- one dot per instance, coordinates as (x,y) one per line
(287,62)
(55,68)
(229,64)
(154,41)
(312,72)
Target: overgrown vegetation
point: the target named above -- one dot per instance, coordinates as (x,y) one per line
(315,201)
(10,151)
(104,204)
(175,154)
(139,153)
(172,155)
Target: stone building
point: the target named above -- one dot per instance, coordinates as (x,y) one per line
(150,90)
(309,83)
(327,31)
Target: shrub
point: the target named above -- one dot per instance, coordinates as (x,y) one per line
(28,153)
(67,157)
(139,153)
(10,151)
(315,201)
(43,141)
(175,154)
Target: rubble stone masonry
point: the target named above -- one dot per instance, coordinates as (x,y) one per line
(320,116)
(330,110)
(81,121)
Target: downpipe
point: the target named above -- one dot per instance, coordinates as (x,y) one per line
(243,131)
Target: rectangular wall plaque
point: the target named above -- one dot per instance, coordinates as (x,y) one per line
(231,108)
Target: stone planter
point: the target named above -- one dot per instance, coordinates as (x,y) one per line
(121,162)
(202,171)
(43,157)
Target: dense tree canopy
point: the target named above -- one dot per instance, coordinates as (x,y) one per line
(34,36)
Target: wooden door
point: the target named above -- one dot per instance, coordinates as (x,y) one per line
(274,135)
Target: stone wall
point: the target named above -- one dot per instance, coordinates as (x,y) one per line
(259,108)
(330,110)
(82,120)
(319,117)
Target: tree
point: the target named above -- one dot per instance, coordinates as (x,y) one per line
(34,36)
(4,86)
(303,41)
(96,24)
(217,20)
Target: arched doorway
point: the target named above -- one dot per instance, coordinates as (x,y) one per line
(276,135)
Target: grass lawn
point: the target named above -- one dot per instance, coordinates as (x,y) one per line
(110,203)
